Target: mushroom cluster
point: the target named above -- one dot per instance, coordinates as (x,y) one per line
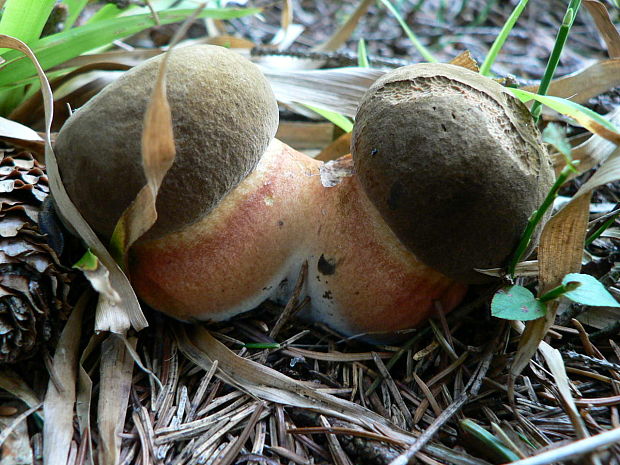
(449,167)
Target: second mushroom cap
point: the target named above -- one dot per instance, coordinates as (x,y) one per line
(454,164)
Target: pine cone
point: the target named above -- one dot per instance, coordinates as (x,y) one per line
(33,283)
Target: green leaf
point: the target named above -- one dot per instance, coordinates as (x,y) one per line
(485,68)
(339,120)
(517,303)
(75,7)
(555,135)
(362,55)
(589,119)
(58,48)
(488,442)
(428,56)
(25,19)
(88,262)
(262,345)
(589,291)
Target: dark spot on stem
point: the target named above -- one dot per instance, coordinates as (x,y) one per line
(326,266)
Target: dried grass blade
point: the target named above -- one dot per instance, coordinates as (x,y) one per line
(338,89)
(59,405)
(158,153)
(574,449)
(116,318)
(265,383)
(594,150)
(558,370)
(587,83)
(114,387)
(607,173)
(605,26)
(84,396)
(14,432)
(559,252)
(344,32)
(18,131)
(11,382)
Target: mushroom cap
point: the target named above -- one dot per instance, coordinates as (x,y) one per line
(224,115)
(454,164)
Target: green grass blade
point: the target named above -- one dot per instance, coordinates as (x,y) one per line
(108,11)
(75,8)
(485,69)
(25,19)
(58,48)
(362,55)
(428,56)
(554,59)
(339,120)
(583,115)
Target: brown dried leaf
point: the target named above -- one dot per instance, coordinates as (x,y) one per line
(338,148)
(605,26)
(465,60)
(59,403)
(581,86)
(158,154)
(344,32)
(114,387)
(559,252)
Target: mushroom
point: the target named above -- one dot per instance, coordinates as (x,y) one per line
(240,211)
(453,162)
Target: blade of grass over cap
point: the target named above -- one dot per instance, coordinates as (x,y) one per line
(158,154)
(485,68)
(554,59)
(426,54)
(589,119)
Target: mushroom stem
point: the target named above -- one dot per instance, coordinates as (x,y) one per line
(250,248)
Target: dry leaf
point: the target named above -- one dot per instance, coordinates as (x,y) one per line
(344,32)
(337,149)
(158,154)
(581,86)
(593,151)
(15,130)
(559,253)
(265,383)
(130,314)
(605,26)
(59,404)
(465,60)
(114,387)
(15,440)
(338,89)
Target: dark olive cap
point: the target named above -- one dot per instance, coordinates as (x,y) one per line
(224,115)
(454,164)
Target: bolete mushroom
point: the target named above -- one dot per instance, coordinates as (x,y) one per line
(453,162)
(240,211)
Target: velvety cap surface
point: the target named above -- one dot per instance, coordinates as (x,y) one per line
(224,115)
(453,163)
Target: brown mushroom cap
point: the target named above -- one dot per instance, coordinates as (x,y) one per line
(224,115)
(454,164)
